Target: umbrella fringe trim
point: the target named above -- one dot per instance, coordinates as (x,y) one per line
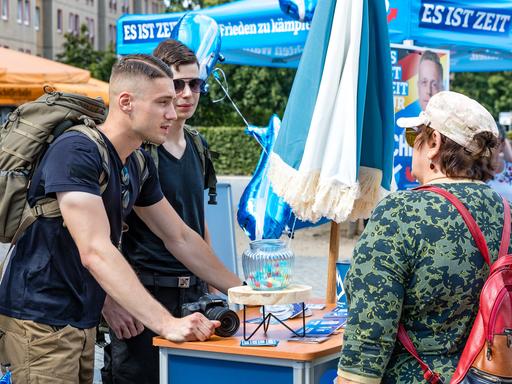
(370,180)
(312,198)
(335,200)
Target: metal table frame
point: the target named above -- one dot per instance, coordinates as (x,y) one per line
(265,322)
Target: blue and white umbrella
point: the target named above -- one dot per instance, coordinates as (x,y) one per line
(333,155)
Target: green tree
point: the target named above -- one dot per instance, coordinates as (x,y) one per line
(78,50)
(102,69)
(257,91)
(491,89)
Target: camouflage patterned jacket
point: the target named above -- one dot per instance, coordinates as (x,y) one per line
(417,263)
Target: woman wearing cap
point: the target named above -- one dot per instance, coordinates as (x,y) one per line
(416,262)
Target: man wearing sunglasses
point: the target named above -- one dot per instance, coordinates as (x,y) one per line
(131,356)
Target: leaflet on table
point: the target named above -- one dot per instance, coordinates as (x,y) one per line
(297,311)
(259,343)
(341,311)
(282,312)
(308,340)
(322,327)
(315,306)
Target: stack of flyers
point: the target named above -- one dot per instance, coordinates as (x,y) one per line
(323,327)
(315,306)
(297,310)
(318,331)
(282,312)
(341,311)
(258,320)
(308,340)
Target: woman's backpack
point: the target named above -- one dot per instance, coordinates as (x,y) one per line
(487,356)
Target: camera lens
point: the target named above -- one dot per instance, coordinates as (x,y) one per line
(229,321)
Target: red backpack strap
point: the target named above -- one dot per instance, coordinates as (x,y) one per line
(505,236)
(466,216)
(429,375)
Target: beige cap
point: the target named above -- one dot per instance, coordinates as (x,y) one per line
(456,116)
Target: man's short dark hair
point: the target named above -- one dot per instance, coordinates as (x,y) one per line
(174,53)
(432,56)
(147,66)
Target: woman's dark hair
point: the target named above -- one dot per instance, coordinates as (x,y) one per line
(457,161)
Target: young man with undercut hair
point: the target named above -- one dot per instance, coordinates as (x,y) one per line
(183,182)
(54,285)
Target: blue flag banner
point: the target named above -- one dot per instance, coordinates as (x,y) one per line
(477,33)
(258,32)
(252,32)
(448,16)
(147,31)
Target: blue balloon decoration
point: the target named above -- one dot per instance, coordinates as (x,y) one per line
(258,197)
(261,213)
(5,379)
(301,10)
(202,35)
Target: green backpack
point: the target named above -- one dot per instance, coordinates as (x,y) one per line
(25,137)
(206,155)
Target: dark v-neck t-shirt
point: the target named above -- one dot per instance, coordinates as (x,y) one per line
(183,185)
(45,280)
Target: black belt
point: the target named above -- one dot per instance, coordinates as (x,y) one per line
(169,281)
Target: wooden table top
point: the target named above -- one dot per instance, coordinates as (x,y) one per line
(295,293)
(289,350)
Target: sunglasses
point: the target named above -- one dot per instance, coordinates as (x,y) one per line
(410,136)
(195,85)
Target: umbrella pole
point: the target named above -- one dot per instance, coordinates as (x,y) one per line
(334,250)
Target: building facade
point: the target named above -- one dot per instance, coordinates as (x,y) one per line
(38,26)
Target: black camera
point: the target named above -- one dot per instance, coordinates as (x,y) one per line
(214,308)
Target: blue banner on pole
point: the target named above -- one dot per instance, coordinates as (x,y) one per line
(478,33)
(147,31)
(453,16)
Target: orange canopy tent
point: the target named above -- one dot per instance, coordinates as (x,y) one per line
(23,77)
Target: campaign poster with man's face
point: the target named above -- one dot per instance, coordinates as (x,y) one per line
(418,74)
